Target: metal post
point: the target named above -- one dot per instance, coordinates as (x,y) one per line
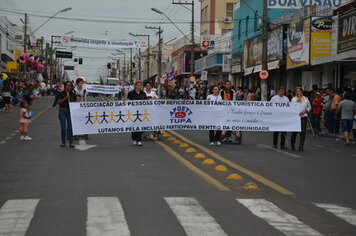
(192,62)
(148,57)
(131,65)
(25,44)
(139,64)
(264,49)
(159,74)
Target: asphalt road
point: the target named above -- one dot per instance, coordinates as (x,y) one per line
(114,188)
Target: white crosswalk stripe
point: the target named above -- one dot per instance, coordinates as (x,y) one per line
(280,220)
(345,213)
(193,218)
(106,217)
(16,215)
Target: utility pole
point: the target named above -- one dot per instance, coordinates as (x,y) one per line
(264,49)
(131,65)
(159,61)
(25,43)
(192,62)
(139,64)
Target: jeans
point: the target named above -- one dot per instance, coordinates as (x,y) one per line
(66,125)
(283,138)
(136,136)
(215,135)
(304,121)
(329,120)
(316,121)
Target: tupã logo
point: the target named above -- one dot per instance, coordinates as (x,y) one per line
(180,114)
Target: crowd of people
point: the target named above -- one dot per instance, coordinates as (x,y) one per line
(322,108)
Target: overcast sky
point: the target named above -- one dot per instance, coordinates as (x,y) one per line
(117,10)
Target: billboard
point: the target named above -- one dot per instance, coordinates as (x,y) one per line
(320,37)
(236,63)
(347,32)
(298,39)
(253,48)
(297,4)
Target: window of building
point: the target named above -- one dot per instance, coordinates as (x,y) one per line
(230,10)
(239,30)
(246,30)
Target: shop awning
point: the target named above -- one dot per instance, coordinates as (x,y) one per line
(341,57)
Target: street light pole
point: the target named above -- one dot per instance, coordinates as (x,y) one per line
(264,49)
(25,43)
(192,61)
(148,50)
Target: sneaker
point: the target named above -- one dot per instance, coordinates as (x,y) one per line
(134,142)
(212,143)
(22,138)
(27,138)
(139,143)
(217,143)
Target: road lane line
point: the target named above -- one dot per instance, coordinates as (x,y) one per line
(252,174)
(8,138)
(3,142)
(106,217)
(16,216)
(193,168)
(274,216)
(345,213)
(276,150)
(194,219)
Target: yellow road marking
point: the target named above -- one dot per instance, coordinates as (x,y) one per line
(252,174)
(193,168)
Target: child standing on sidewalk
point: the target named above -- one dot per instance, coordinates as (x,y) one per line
(25,121)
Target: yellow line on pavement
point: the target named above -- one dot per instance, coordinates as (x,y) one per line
(193,168)
(252,174)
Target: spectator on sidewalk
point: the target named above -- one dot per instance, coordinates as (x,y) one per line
(280,98)
(329,120)
(24,121)
(334,105)
(317,111)
(305,108)
(6,95)
(347,108)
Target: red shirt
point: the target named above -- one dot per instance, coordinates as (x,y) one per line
(318,106)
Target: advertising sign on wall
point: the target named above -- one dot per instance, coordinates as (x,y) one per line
(347,32)
(320,37)
(253,48)
(236,63)
(298,43)
(207,42)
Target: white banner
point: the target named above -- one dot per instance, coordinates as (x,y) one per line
(102,89)
(153,115)
(75,41)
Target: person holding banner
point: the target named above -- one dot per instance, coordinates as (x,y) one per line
(63,98)
(215,135)
(137,94)
(280,98)
(305,108)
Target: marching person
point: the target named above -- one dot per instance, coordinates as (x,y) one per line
(215,135)
(305,108)
(347,108)
(149,92)
(63,98)
(137,94)
(280,98)
(80,91)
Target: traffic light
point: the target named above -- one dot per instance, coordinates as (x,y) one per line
(133,65)
(108,65)
(80,61)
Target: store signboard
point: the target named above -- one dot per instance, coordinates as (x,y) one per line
(298,43)
(253,48)
(296,4)
(320,37)
(347,32)
(236,63)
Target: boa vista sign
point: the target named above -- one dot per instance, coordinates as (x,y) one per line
(292,4)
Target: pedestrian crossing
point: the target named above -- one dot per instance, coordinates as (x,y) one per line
(106,216)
